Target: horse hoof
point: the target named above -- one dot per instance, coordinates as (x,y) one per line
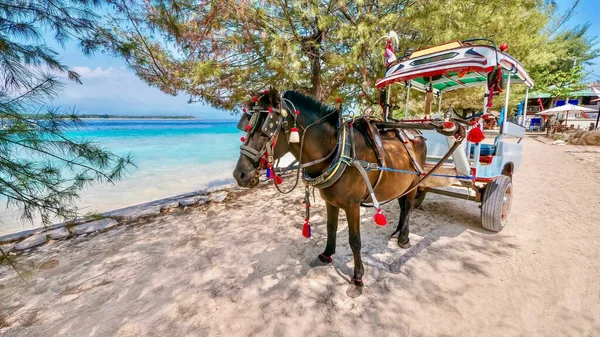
(321,261)
(354,291)
(404,245)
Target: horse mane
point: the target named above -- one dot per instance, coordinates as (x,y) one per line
(310,105)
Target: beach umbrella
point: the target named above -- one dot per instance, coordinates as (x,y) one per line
(565,108)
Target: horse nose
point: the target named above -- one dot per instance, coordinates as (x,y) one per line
(240,177)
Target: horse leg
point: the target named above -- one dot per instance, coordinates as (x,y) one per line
(353,215)
(407,204)
(332,225)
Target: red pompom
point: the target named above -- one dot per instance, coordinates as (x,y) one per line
(270,109)
(244,110)
(338,100)
(379,218)
(503,47)
(266,92)
(362,95)
(306,231)
(448,125)
(248,127)
(243,139)
(297,112)
(473,123)
(278,179)
(254,99)
(475,135)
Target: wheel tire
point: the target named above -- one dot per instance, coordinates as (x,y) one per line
(495,207)
(419,197)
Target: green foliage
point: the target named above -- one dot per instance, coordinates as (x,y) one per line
(41,170)
(222,51)
(562,83)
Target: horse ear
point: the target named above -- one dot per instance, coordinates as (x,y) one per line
(273,95)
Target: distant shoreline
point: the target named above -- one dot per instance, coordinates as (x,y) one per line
(133,117)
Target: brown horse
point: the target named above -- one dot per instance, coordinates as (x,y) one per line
(320,140)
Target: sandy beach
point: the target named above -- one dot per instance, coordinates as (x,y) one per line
(240,268)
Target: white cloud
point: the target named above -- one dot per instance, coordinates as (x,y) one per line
(86,72)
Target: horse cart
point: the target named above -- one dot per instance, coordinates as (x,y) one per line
(478,170)
(357,160)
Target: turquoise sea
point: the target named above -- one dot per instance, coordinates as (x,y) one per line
(173,157)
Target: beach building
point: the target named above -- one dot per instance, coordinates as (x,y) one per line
(587,98)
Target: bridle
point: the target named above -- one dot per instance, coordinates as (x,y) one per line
(275,121)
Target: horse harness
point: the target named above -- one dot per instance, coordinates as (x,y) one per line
(345,154)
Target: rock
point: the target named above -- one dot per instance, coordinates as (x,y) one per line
(94,226)
(59,233)
(221,188)
(32,241)
(19,235)
(135,212)
(169,204)
(558,142)
(218,196)
(200,200)
(8,247)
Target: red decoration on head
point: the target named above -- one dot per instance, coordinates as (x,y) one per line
(265,92)
(243,139)
(244,110)
(338,100)
(270,109)
(248,127)
(448,125)
(503,46)
(297,112)
(254,99)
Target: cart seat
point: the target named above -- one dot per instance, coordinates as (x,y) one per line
(486,149)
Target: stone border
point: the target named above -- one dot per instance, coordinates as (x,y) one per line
(31,238)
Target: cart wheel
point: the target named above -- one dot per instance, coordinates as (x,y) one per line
(419,197)
(495,207)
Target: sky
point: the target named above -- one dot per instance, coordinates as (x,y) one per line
(109,87)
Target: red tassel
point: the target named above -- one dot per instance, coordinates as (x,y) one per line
(475,135)
(306,231)
(278,179)
(379,218)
